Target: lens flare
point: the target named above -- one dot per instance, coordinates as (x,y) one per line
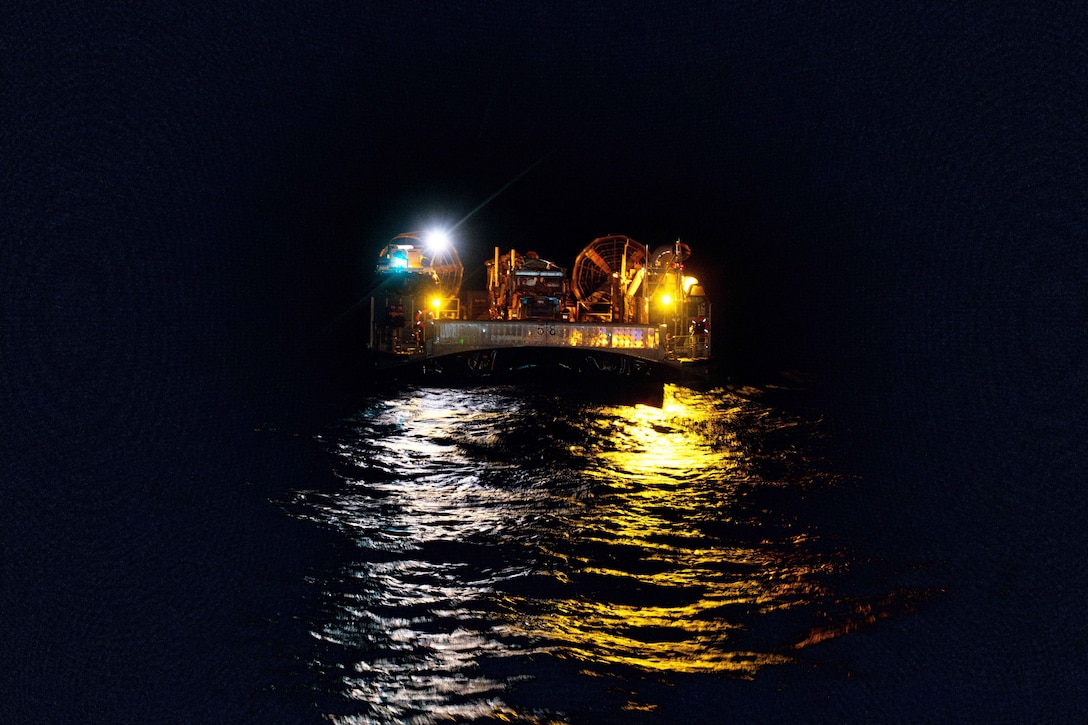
(436,240)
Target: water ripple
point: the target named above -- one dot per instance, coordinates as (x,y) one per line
(500,534)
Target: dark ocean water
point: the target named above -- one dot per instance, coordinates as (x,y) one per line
(520,555)
(527,554)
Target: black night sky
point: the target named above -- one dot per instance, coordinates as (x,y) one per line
(891,201)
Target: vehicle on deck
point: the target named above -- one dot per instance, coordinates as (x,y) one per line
(526,287)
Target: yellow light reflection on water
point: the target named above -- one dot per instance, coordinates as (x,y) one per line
(504,527)
(661,443)
(664,594)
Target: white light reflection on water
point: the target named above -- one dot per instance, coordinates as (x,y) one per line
(500,534)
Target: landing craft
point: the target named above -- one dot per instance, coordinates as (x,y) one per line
(622,309)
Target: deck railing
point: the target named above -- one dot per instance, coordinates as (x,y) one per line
(453,336)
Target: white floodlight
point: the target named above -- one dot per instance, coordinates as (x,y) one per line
(436,240)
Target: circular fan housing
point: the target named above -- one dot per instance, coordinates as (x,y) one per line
(411,255)
(609,275)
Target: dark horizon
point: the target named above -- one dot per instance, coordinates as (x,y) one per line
(839,177)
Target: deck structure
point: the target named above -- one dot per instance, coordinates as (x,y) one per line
(481,346)
(534,315)
(459,336)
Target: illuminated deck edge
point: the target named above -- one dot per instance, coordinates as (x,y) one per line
(456,336)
